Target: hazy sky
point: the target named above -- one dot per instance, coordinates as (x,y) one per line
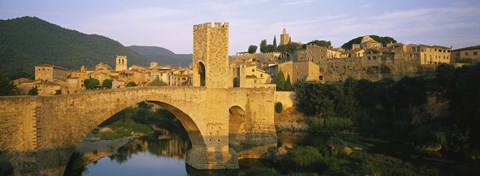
(168,23)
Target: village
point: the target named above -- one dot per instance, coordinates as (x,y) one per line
(369,60)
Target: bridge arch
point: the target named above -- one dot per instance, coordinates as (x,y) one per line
(194,134)
(236,123)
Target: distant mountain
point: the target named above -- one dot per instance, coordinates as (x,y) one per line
(163,56)
(28,41)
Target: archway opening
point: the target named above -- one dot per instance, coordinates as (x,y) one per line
(236,132)
(201,73)
(152,129)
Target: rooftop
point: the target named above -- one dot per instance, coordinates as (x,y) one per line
(468,48)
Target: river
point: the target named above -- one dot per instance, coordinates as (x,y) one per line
(166,156)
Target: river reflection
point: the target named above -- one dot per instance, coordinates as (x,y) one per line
(166,156)
(144,156)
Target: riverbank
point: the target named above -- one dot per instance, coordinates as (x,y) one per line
(93,149)
(291,120)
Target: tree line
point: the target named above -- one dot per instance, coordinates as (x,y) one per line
(443,111)
(291,47)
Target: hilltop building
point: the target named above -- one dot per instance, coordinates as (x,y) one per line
(284,37)
(466,54)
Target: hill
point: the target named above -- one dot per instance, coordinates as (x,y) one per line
(383,40)
(163,56)
(29,41)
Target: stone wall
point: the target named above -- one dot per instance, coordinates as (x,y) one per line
(287,98)
(40,133)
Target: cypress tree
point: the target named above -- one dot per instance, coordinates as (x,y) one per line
(280,81)
(288,84)
(275,42)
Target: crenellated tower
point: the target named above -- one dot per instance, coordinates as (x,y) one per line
(210,55)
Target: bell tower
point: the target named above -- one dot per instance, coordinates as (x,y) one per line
(121,64)
(210,56)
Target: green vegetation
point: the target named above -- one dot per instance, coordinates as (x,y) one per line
(107,83)
(33,91)
(6,86)
(29,41)
(338,158)
(278,107)
(252,49)
(401,111)
(323,43)
(131,84)
(281,83)
(157,82)
(90,83)
(382,40)
(263,46)
(139,121)
(162,55)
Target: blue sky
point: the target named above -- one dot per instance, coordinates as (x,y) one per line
(168,23)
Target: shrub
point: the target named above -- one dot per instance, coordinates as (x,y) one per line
(278,107)
(131,84)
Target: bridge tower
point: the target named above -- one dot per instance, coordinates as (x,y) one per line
(210,55)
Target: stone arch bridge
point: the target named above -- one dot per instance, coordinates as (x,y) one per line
(38,134)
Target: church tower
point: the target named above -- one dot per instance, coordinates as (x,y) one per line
(284,37)
(121,63)
(210,56)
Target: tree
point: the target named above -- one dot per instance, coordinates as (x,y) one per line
(107,83)
(252,49)
(278,107)
(157,82)
(445,74)
(288,84)
(131,84)
(382,40)
(33,91)
(275,42)
(90,83)
(6,86)
(263,45)
(292,47)
(323,43)
(280,81)
(269,49)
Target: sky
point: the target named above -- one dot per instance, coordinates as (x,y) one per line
(169,23)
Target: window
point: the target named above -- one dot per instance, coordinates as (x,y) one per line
(253,70)
(466,53)
(475,53)
(261,75)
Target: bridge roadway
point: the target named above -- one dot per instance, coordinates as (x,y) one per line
(38,134)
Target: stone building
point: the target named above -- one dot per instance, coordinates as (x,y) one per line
(121,63)
(305,71)
(472,52)
(250,76)
(430,54)
(369,43)
(47,72)
(284,37)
